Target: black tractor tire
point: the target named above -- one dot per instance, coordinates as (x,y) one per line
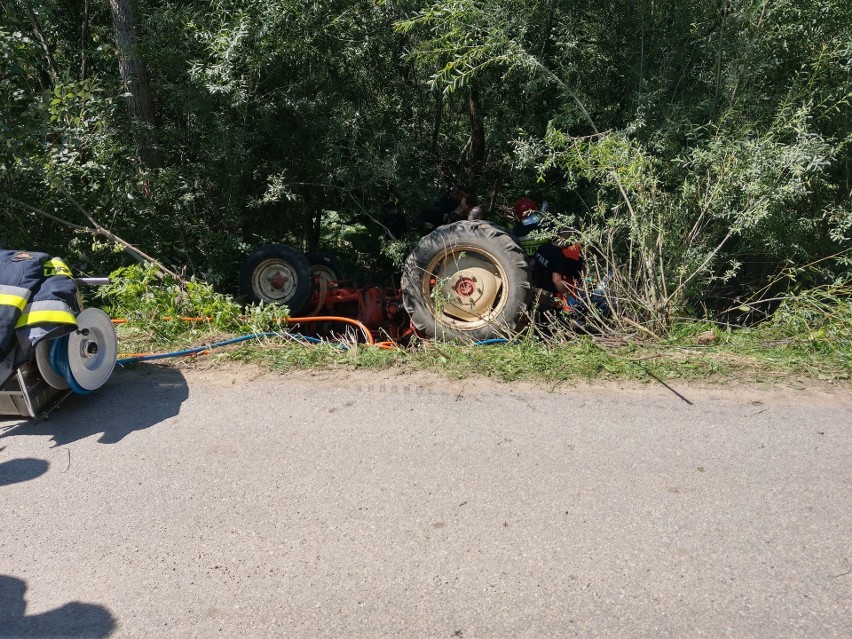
(468,281)
(328,264)
(325,270)
(277,274)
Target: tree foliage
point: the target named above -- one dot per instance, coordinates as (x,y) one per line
(709,145)
(702,147)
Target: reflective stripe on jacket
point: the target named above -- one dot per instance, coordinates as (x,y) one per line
(37,301)
(13,300)
(55,266)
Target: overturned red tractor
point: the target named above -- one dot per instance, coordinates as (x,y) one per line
(469,279)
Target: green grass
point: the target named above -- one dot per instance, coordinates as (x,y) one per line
(808,338)
(581,360)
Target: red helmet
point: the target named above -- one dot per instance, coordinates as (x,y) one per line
(523,206)
(572,252)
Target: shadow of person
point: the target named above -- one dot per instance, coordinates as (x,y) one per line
(133,399)
(14,471)
(74,619)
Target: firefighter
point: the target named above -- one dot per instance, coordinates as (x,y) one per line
(558,269)
(458,203)
(37,296)
(527,216)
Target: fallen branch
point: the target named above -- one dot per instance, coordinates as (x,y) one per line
(367,213)
(97,229)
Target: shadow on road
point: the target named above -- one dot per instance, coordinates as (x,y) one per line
(17,470)
(133,399)
(74,619)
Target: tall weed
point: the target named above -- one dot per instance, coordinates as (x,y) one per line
(167,311)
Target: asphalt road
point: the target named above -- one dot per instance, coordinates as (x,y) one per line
(201,503)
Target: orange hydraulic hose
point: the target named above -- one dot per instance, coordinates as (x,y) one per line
(331,318)
(289,320)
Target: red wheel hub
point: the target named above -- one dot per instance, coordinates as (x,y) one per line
(278,281)
(465,286)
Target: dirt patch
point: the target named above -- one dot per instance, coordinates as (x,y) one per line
(215,371)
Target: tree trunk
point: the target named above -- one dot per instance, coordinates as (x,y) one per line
(313,219)
(135,81)
(547,33)
(477,136)
(84,40)
(51,64)
(436,127)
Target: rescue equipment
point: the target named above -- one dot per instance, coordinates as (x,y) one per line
(79,362)
(86,358)
(49,346)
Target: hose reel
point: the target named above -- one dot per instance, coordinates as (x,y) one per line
(83,360)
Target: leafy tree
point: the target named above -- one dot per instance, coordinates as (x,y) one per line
(701,147)
(708,145)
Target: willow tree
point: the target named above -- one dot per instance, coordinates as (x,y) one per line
(702,146)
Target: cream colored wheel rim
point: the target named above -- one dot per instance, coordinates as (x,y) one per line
(464,287)
(323,276)
(274,280)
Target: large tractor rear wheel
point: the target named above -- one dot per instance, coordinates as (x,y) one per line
(467,280)
(277,274)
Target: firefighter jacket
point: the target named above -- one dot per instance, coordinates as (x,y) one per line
(37,298)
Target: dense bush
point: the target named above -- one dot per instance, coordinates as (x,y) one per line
(703,148)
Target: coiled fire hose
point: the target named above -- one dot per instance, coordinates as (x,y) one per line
(61,366)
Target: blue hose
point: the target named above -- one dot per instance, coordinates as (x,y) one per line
(59,364)
(200,349)
(236,340)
